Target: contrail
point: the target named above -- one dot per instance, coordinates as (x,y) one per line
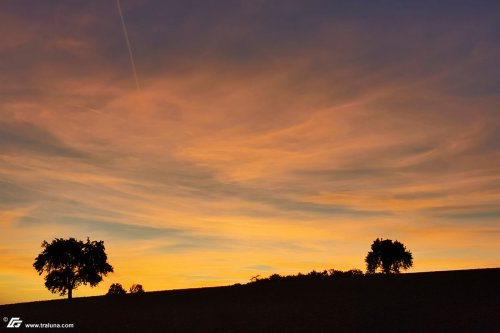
(125,33)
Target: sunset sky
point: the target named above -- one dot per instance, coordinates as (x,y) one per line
(266,136)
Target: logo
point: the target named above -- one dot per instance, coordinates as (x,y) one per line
(14,322)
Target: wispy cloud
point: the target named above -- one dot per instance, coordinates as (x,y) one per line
(16,137)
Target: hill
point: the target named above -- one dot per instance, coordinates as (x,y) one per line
(451,301)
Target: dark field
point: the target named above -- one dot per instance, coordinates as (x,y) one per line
(453,301)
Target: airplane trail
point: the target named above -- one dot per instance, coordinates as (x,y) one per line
(131,55)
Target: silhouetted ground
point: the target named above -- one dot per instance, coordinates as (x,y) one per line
(452,301)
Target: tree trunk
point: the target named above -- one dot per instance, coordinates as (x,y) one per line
(70,293)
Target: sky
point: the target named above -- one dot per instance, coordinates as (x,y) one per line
(264,136)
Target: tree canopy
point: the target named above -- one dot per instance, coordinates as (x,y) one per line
(116,289)
(70,263)
(388,256)
(136,289)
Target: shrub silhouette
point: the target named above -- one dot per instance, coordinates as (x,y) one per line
(347,274)
(136,289)
(354,272)
(70,263)
(331,274)
(116,289)
(389,256)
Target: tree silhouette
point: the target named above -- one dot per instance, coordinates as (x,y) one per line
(136,289)
(70,263)
(389,256)
(116,289)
